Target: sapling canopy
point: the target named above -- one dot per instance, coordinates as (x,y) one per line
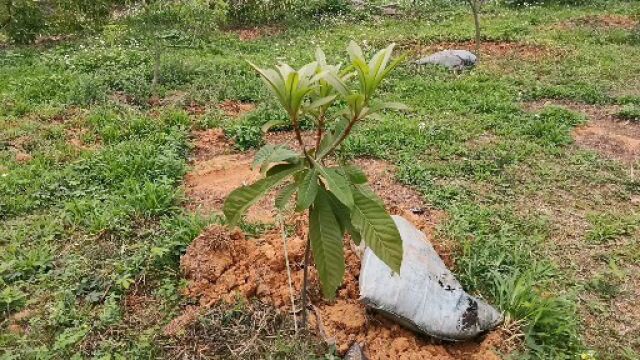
(334,193)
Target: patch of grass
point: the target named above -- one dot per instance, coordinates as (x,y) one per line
(630,112)
(610,227)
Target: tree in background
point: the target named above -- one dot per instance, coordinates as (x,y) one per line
(475,10)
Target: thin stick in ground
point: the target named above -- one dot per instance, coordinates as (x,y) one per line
(305,281)
(286,261)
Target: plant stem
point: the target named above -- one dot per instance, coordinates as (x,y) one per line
(305,280)
(296,128)
(320,129)
(344,135)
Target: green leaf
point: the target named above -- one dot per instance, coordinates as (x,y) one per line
(270,154)
(282,199)
(307,189)
(321,102)
(343,215)
(378,229)
(336,183)
(243,197)
(354,174)
(337,83)
(326,242)
(271,124)
(262,155)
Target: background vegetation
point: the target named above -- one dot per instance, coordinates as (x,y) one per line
(543,228)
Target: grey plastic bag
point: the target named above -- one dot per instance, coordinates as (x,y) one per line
(425,297)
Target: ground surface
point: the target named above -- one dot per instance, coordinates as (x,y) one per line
(524,171)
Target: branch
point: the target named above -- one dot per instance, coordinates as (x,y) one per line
(296,128)
(320,129)
(344,135)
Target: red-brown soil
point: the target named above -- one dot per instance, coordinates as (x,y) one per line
(234,109)
(222,265)
(257,32)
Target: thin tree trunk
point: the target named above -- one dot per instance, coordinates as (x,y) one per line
(156,68)
(475,7)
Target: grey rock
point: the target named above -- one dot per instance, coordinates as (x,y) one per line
(451,59)
(390,9)
(425,296)
(355,353)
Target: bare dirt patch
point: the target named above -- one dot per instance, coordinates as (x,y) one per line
(218,170)
(234,109)
(604,132)
(603,21)
(491,49)
(256,33)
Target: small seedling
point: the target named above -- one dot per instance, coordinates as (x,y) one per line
(336,195)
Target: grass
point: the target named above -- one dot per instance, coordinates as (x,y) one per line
(93,221)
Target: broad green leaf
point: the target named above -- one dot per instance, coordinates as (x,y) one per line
(337,83)
(262,155)
(326,242)
(354,174)
(343,215)
(279,154)
(307,189)
(270,154)
(355,52)
(243,197)
(274,81)
(282,199)
(321,58)
(336,183)
(377,229)
(271,124)
(321,102)
(367,191)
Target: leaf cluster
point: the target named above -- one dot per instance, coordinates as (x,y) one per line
(337,196)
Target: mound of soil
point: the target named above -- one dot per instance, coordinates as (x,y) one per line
(222,265)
